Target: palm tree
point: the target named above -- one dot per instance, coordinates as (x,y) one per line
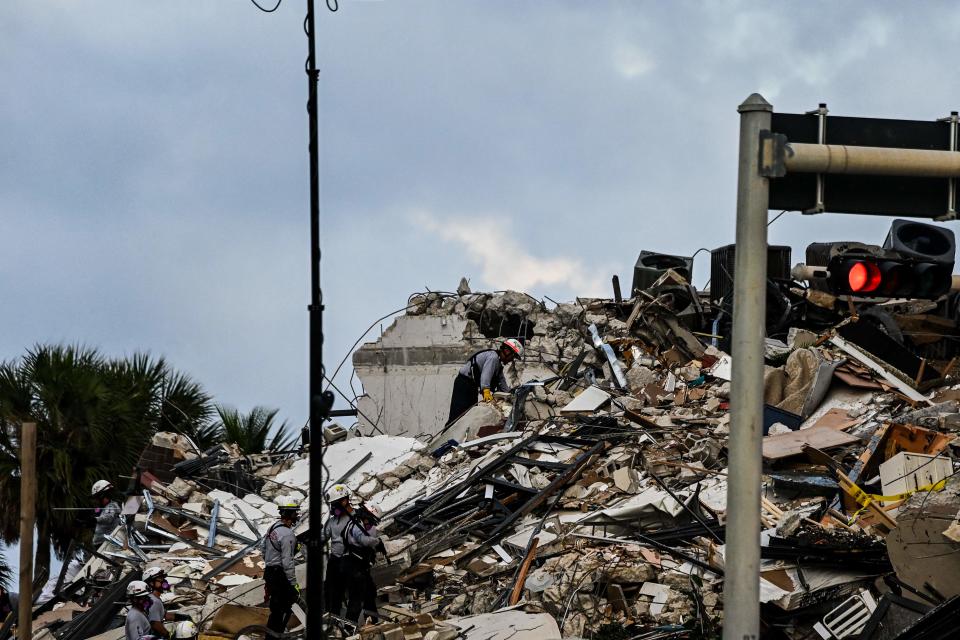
(186,408)
(94,417)
(5,573)
(250,431)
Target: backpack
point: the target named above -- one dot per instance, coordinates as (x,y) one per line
(475,368)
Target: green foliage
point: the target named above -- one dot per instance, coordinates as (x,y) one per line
(186,408)
(5,573)
(94,417)
(250,431)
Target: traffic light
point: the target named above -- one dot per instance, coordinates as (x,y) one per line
(870,276)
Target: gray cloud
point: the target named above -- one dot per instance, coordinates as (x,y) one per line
(153,185)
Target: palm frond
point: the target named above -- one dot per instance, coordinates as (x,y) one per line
(5,573)
(251,431)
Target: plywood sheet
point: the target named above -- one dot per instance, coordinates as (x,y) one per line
(790,444)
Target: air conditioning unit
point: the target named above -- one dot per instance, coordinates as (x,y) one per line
(651,265)
(722,266)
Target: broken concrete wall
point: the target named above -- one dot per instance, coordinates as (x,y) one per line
(408,373)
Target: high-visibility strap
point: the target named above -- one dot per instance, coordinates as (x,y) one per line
(867,500)
(864,498)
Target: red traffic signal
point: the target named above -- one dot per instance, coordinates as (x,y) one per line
(872,277)
(863,276)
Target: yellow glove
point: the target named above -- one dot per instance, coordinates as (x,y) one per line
(487,395)
(297,587)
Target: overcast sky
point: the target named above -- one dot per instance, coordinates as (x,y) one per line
(154,180)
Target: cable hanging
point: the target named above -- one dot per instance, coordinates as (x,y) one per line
(332,5)
(264,9)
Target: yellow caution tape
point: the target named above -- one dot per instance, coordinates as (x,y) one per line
(936,486)
(865,498)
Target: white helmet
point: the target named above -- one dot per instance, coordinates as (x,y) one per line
(287,503)
(514,346)
(100,486)
(186,630)
(138,589)
(374,510)
(152,572)
(337,492)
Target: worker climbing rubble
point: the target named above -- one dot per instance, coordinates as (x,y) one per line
(279,547)
(482,374)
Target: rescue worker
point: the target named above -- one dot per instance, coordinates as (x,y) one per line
(338,500)
(186,630)
(156,579)
(279,547)
(362,543)
(137,626)
(482,374)
(106,513)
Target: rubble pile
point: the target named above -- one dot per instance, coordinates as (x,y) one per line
(589,501)
(204,537)
(204,524)
(595,492)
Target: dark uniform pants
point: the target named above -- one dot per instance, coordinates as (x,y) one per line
(333,585)
(282,597)
(463,397)
(361,590)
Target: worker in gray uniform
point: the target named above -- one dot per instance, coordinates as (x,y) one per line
(362,544)
(334,585)
(156,579)
(106,513)
(137,626)
(482,374)
(279,547)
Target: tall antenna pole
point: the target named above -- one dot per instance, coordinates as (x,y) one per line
(320,402)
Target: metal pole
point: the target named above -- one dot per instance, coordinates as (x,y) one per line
(741,590)
(28,506)
(314,544)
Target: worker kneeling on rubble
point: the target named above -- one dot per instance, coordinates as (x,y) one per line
(279,547)
(481,372)
(338,499)
(362,543)
(137,626)
(107,511)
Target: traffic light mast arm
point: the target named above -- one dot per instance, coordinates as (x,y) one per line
(778,157)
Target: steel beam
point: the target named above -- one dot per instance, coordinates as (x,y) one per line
(212,531)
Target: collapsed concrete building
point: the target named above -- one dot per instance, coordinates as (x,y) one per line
(408,373)
(590,501)
(596,491)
